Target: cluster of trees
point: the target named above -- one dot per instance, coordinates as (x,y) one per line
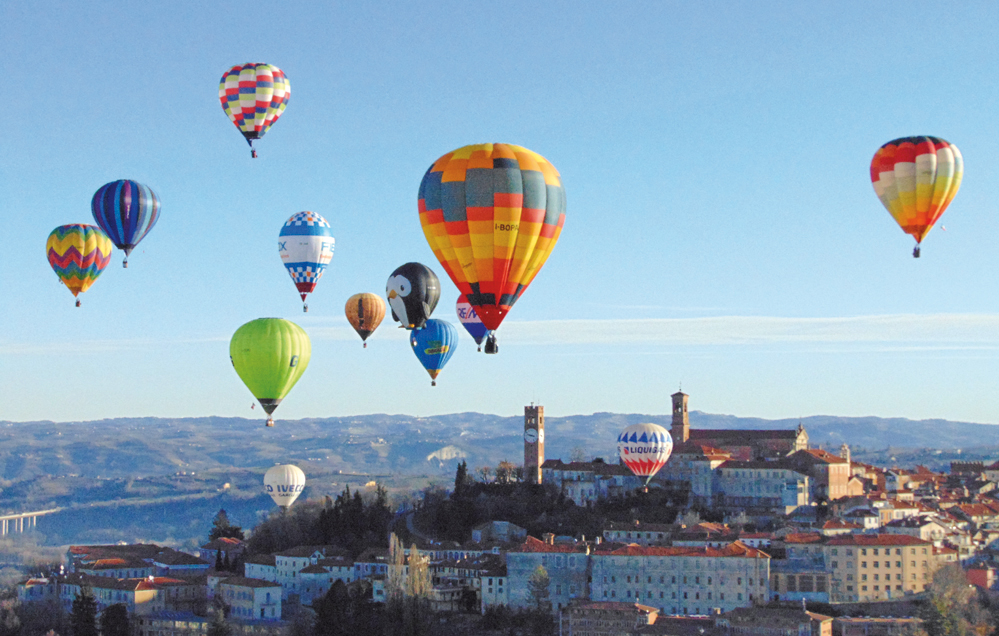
(539,509)
(349,521)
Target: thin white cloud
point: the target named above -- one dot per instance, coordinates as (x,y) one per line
(975,330)
(900,332)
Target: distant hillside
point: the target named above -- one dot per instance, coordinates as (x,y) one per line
(401,444)
(162,480)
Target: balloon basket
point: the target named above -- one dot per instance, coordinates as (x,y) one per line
(305,308)
(433,383)
(270,423)
(77,302)
(915,252)
(365,345)
(124,263)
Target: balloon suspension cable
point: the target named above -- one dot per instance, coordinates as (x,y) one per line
(270,422)
(77,302)
(915,252)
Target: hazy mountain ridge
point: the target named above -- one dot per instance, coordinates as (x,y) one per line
(399,444)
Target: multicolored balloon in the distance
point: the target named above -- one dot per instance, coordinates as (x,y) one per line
(644,448)
(253,96)
(305,244)
(270,355)
(413,290)
(434,344)
(78,254)
(916,178)
(364,313)
(126,211)
(492,214)
(284,483)
(470,320)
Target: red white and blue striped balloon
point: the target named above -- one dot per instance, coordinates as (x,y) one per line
(644,448)
(126,211)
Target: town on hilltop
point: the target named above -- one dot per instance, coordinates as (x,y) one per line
(742,532)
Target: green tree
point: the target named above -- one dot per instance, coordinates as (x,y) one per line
(461,480)
(953,608)
(218,625)
(537,589)
(542,621)
(83,617)
(222,528)
(10,623)
(114,621)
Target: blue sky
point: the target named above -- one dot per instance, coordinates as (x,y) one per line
(721,228)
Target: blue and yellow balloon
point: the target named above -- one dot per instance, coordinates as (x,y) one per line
(434,344)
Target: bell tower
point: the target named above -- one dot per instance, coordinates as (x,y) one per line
(534,443)
(680,430)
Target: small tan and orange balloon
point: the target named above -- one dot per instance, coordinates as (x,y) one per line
(365,312)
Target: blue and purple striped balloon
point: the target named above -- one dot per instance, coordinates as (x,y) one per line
(126,211)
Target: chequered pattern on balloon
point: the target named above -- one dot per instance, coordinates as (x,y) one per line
(306,274)
(645,448)
(916,178)
(307,218)
(78,254)
(254,96)
(492,214)
(126,211)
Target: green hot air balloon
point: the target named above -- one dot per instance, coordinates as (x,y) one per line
(270,355)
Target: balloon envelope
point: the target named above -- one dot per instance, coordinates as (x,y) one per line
(78,254)
(434,345)
(644,448)
(253,97)
(305,244)
(470,320)
(364,313)
(126,211)
(270,355)
(916,178)
(413,290)
(492,214)
(284,483)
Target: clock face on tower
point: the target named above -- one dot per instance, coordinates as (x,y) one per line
(531,436)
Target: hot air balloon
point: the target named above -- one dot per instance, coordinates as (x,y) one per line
(413,290)
(916,178)
(365,313)
(306,248)
(644,448)
(78,254)
(253,96)
(126,211)
(270,355)
(434,344)
(284,483)
(492,214)
(470,320)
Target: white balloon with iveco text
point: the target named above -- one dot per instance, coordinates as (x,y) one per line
(644,448)
(284,483)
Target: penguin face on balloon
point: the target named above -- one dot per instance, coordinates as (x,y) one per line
(413,291)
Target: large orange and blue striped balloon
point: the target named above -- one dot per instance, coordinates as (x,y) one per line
(126,211)
(253,96)
(492,214)
(916,178)
(78,254)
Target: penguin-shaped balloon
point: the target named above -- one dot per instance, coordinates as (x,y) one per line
(413,290)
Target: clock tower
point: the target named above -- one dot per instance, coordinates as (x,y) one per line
(534,443)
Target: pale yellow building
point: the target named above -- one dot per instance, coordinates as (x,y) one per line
(878,567)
